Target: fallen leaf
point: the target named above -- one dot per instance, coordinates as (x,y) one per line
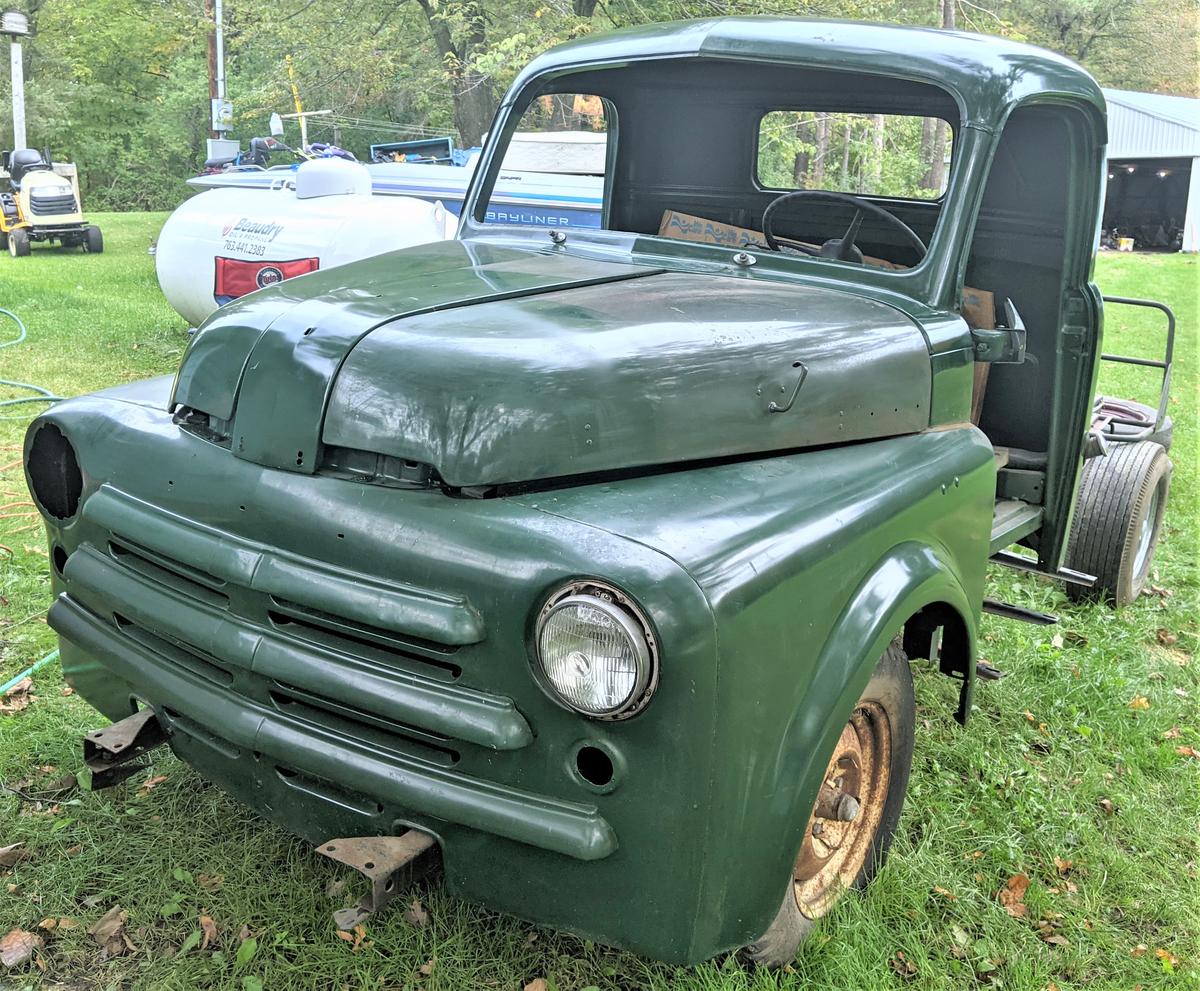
(1139,950)
(1029,716)
(18,946)
(1057,641)
(145,787)
(1165,636)
(210,882)
(68,690)
(900,965)
(13,854)
(208,929)
(1172,734)
(416,915)
(427,967)
(1012,895)
(109,924)
(939,890)
(537,984)
(1167,958)
(1063,866)
(1056,940)
(18,697)
(1139,702)
(342,934)
(1187,751)
(1107,806)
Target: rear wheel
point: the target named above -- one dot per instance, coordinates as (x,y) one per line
(1122,498)
(94,241)
(18,243)
(854,818)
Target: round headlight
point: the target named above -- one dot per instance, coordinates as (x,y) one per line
(597,650)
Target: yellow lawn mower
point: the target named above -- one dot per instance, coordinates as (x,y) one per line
(41,203)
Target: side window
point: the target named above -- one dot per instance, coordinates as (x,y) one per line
(866,154)
(553,171)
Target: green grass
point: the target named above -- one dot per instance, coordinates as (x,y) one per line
(1019,787)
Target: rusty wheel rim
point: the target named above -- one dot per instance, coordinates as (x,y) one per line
(847,813)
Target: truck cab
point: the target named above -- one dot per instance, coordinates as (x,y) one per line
(596,559)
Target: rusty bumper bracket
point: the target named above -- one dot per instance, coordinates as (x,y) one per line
(112,753)
(390,863)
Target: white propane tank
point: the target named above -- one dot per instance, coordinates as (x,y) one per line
(225,243)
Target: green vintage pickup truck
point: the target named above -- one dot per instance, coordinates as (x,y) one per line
(590,563)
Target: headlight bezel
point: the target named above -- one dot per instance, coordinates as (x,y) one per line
(632,618)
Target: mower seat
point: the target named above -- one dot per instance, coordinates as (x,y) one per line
(24,160)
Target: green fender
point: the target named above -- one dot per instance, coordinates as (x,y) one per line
(912,577)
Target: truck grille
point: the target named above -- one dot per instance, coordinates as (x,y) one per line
(359,683)
(50,206)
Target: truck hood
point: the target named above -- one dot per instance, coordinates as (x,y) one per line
(495,365)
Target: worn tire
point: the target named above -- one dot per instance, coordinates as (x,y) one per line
(1118,516)
(93,240)
(1118,432)
(891,688)
(18,243)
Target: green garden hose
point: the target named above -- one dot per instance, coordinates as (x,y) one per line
(43,395)
(17,679)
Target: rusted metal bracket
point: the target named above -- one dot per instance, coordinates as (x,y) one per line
(390,863)
(112,753)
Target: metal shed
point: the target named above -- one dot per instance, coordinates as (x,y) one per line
(1153,192)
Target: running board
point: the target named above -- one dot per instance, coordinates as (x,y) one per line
(1019,563)
(1009,611)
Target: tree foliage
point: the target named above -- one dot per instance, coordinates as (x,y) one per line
(120,86)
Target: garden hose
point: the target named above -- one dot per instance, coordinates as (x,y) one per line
(17,679)
(43,395)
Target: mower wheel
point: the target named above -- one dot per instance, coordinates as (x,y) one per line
(18,243)
(94,243)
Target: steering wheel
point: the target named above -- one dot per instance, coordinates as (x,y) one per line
(843,248)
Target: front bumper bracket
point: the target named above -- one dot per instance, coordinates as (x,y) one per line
(112,753)
(390,863)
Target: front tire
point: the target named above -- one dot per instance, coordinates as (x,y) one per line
(870,763)
(18,243)
(1122,498)
(93,241)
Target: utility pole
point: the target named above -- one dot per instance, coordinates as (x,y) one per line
(210,18)
(16,25)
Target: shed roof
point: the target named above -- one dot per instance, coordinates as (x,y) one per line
(1152,125)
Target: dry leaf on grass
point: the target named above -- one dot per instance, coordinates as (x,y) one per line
(939,890)
(1139,702)
(1012,896)
(18,946)
(1167,957)
(902,966)
(18,697)
(145,787)
(427,967)
(1172,734)
(537,984)
(416,915)
(1187,751)
(209,935)
(1165,636)
(1063,866)
(1139,950)
(109,933)
(1107,806)
(13,854)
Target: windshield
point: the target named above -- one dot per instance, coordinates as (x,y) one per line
(707,150)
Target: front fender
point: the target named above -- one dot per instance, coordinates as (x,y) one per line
(909,578)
